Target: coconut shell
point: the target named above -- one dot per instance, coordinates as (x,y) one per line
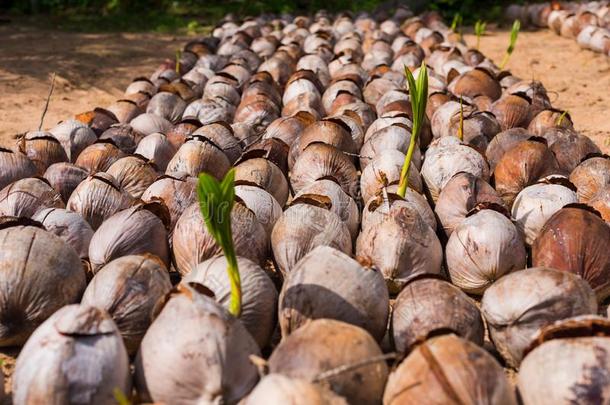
(319,161)
(123,137)
(590,177)
(192,243)
(535,204)
(428,306)
(259,296)
(42,149)
(74,136)
(64,178)
(546,119)
(572,149)
(482,248)
(502,143)
(136,230)
(522,166)
(393,137)
(519,304)
(69,226)
(98,157)
(221,134)
(196,351)
(157,149)
(14,166)
(326,283)
(383,204)
(512,111)
(601,203)
(401,246)
(263,204)
(129,288)
(40,274)
(199,155)
(25,197)
(448,369)
(386,169)
(301,228)
(264,174)
(460,195)
(134,174)
(476,82)
(84,357)
(147,124)
(97,198)
(322,346)
(326,131)
(177,193)
(576,240)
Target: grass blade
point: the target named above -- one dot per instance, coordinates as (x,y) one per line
(514,33)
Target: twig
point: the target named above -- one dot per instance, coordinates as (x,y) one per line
(349,367)
(46,106)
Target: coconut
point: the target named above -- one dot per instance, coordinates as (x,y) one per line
(25,197)
(69,226)
(521,303)
(279,389)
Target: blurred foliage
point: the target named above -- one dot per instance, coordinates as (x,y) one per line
(197,16)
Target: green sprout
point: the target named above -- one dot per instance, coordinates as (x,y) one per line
(456,24)
(479,30)
(120,397)
(418,92)
(461,127)
(560,118)
(216,200)
(514,33)
(178,56)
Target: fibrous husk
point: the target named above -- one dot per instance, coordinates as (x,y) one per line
(572,367)
(147,124)
(303,227)
(69,226)
(25,197)
(14,166)
(460,195)
(259,296)
(590,177)
(386,169)
(428,306)
(323,345)
(444,161)
(476,82)
(265,174)
(393,137)
(570,150)
(521,166)
(535,204)
(320,160)
(340,202)
(386,202)
(401,245)
(195,352)
(98,157)
(176,192)
(199,155)
(84,360)
(43,149)
(576,240)
(157,149)
(502,143)
(482,248)
(64,178)
(449,370)
(123,137)
(512,110)
(263,204)
(40,274)
(134,174)
(167,105)
(129,288)
(74,136)
(550,118)
(192,243)
(279,389)
(327,283)
(601,203)
(98,197)
(519,304)
(221,134)
(136,230)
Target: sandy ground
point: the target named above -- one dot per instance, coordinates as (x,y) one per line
(577,80)
(93,70)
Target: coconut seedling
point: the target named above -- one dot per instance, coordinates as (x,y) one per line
(479,31)
(418,91)
(216,200)
(514,33)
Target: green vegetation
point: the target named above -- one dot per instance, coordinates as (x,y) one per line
(514,33)
(479,30)
(216,200)
(418,93)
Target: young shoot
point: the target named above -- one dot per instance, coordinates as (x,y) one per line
(120,397)
(479,30)
(418,93)
(461,127)
(514,33)
(456,24)
(560,118)
(216,200)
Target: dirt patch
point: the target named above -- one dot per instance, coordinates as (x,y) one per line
(92,70)
(577,80)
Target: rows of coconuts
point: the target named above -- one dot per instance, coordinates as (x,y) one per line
(497,257)
(586,22)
